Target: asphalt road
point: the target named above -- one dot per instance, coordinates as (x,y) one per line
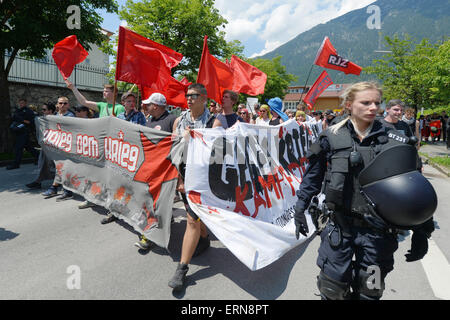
(53,250)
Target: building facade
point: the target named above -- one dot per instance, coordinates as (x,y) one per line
(329,99)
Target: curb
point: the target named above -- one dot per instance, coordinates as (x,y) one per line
(442,169)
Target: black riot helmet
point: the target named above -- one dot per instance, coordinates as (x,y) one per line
(401,195)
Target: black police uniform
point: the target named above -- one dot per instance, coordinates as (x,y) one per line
(355,229)
(23,135)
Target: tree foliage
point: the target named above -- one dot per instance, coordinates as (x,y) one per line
(28,28)
(419,73)
(181,25)
(278,80)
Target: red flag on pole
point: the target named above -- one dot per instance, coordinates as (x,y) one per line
(215,75)
(327,57)
(247,78)
(67,53)
(175,92)
(322,82)
(143,61)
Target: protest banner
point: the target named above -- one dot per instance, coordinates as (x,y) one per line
(128,169)
(242,183)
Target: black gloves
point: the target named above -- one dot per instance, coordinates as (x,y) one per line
(419,241)
(419,247)
(301,225)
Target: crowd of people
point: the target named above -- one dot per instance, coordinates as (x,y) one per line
(203,113)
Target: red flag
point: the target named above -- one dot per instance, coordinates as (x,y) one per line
(327,57)
(215,75)
(175,92)
(143,61)
(322,82)
(247,78)
(67,53)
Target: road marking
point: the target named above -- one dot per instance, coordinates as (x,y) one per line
(437,270)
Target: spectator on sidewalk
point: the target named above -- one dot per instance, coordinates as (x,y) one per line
(46,167)
(22,127)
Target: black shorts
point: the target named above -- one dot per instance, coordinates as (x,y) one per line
(188,209)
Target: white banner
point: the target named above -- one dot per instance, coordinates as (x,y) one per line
(242,183)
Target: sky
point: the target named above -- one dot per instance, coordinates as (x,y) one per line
(264,25)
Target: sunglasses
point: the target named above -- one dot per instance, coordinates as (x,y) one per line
(243,113)
(193,95)
(63,103)
(263,111)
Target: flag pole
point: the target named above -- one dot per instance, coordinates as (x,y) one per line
(306,82)
(114,98)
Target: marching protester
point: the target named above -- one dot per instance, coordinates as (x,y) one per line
(264,115)
(329,116)
(63,107)
(228,117)
(104,109)
(355,227)
(394,113)
(22,126)
(195,240)
(278,116)
(245,115)
(46,167)
(131,114)
(162,120)
(410,119)
(300,116)
(83,112)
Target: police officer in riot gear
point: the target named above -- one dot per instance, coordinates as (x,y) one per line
(359,241)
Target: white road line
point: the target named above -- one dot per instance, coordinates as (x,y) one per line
(437,270)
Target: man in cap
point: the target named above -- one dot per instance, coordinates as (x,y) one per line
(131,114)
(161,118)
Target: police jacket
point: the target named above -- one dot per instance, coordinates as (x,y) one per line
(331,172)
(21,114)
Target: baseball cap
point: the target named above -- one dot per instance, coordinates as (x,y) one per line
(156,98)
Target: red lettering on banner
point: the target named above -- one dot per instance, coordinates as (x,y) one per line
(259,201)
(265,186)
(87,146)
(121,153)
(195,197)
(240,197)
(288,178)
(58,139)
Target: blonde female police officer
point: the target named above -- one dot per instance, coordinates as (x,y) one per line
(354,228)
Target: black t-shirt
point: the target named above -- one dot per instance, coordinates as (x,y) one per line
(164,122)
(231,119)
(400,126)
(274,122)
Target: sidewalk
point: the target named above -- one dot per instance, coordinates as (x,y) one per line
(437,149)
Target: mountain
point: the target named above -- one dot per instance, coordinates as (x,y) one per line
(353,40)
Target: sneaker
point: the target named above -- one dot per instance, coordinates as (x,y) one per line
(179,278)
(65,196)
(86,204)
(34,185)
(109,218)
(203,244)
(50,193)
(12,167)
(143,244)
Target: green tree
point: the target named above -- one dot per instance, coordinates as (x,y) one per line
(28,28)
(181,25)
(278,80)
(416,73)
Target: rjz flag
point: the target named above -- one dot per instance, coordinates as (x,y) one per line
(242,183)
(128,169)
